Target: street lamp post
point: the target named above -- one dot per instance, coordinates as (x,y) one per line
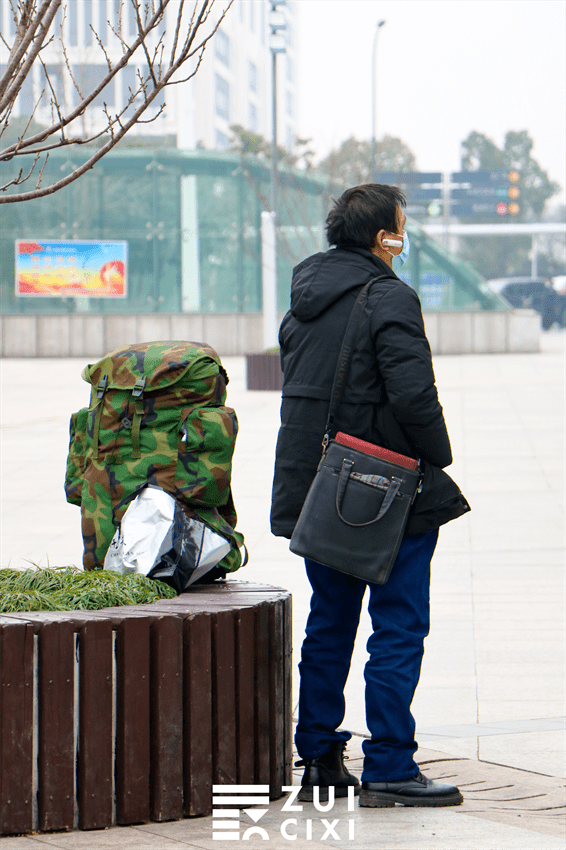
(274,132)
(277,26)
(373,102)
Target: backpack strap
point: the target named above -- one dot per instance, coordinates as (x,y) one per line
(137,394)
(100,391)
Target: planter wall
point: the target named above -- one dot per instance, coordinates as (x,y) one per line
(130,715)
(91,335)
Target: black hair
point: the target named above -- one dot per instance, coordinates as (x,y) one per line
(361,212)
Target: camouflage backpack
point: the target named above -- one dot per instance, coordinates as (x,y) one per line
(156,416)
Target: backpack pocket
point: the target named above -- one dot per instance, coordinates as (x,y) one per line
(204,465)
(74,475)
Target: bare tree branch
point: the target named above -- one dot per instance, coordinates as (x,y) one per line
(10,88)
(177,33)
(20,179)
(191,31)
(142,35)
(26,29)
(113,71)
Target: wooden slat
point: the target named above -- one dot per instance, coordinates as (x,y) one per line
(288,686)
(166,787)
(132,720)
(232,586)
(16,727)
(197,699)
(95,786)
(225,769)
(262,660)
(276,700)
(56,726)
(245,681)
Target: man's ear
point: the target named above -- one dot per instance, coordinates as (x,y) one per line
(378,239)
(378,248)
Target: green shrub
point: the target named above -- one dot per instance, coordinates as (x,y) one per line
(72,589)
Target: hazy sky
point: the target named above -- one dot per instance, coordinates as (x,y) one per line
(444,68)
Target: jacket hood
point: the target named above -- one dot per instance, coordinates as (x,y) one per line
(322,279)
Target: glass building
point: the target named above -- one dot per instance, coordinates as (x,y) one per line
(191,221)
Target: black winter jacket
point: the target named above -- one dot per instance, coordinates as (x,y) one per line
(390,397)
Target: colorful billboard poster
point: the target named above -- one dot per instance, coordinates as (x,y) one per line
(71,269)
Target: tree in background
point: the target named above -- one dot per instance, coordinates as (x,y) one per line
(78,117)
(294,208)
(507,256)
(248,143)
(351,165)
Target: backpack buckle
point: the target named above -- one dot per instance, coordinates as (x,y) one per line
(101,388)
(139,387)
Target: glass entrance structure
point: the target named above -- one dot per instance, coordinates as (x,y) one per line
(191,221)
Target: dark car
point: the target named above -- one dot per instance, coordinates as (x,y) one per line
(536,293)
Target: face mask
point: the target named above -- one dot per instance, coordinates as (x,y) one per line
(400,259)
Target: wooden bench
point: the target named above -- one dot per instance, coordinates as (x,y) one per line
(130,715)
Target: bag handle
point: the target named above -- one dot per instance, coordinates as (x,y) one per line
(392,491)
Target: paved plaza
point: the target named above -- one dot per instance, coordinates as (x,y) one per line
(490,704)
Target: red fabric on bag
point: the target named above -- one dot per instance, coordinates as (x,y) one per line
(376,451)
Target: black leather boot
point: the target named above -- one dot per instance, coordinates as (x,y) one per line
(324,771)
(418,791)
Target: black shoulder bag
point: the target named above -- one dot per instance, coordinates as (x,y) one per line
(357,507)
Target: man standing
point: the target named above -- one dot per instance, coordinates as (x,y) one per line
(390,399)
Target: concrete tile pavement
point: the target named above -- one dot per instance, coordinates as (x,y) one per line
(495,652)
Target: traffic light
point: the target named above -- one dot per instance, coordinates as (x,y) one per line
(514,192)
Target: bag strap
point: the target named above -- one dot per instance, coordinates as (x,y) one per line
(344,357)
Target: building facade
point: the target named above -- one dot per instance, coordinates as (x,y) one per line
(231,87)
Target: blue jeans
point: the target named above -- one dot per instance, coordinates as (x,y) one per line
(399,612)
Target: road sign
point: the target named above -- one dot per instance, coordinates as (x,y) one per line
(421,188)
(476,193)
(419,208)
(484,178)
(416,193)
(470,193)
(485,193)
(484,208)
(409,178)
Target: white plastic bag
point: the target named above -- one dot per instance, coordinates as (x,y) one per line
(157,539)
